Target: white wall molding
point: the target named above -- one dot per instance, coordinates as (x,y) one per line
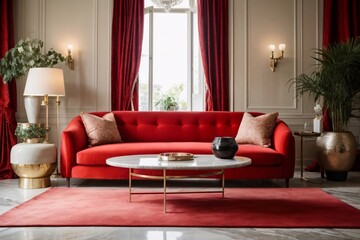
(104,28)
(290,106)
(231,55)
(42,22)
(95,50)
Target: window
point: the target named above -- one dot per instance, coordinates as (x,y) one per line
(170,60)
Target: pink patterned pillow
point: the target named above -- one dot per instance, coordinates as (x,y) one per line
(256,130)
(101,130)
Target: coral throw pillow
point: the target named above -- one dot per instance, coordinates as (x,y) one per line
(101,130)
(257,130)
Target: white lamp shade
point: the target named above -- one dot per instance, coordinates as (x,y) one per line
(42,81)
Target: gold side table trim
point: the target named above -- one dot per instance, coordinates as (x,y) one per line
(32,176)
(303,135)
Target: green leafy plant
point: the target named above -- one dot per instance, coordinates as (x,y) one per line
(168,103)
(30,130)
(169,99)
(25,55)
(336,78)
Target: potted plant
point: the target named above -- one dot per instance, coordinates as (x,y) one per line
(24,55)
(18,60)
(31,132)
(335,79)
(168,103)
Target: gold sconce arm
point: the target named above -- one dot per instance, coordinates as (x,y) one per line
(69,60)
(274,60)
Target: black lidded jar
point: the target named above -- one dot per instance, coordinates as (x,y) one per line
(224,147)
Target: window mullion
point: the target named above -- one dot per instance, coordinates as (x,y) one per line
(190,60)
(151,51)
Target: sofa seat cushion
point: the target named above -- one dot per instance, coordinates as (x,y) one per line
(260,156)
(97,155)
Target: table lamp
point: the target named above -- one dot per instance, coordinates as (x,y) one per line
(46,82)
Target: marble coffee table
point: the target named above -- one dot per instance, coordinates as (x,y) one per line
(200,162)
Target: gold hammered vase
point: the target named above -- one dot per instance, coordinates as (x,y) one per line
(336,154)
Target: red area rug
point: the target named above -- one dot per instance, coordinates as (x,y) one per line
(274,207)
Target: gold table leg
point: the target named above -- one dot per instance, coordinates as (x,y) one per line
(130,175)
(164,175)
(223,183)
(302,159)
(302,162)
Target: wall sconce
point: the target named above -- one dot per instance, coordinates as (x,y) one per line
(274,60)
(69,60)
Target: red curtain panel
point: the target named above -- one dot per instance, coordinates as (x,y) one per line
(213,35)
(7,93)
(341,22)
(127,36)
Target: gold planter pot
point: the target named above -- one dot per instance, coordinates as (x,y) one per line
(27,125)
(336,154)
(33,140)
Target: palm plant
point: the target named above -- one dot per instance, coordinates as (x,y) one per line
(336,79)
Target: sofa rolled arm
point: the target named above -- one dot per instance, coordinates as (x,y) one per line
(73,140)
(284,143)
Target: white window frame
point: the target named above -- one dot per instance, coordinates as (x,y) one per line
(190,78)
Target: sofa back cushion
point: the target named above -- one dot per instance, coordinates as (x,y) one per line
(176,126)
(100,130)
(257,130)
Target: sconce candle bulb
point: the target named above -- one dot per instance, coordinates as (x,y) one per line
(274,60)
(69,49)
(272,47)
(282,47)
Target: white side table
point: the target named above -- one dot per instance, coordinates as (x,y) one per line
(33,163)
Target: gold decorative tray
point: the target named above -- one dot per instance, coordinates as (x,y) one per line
(176,156)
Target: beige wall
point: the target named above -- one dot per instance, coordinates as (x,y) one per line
(86,24)
(258,23)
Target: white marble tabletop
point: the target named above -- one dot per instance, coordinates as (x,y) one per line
(200,162)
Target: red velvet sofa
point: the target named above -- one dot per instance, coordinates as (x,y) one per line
(157,132)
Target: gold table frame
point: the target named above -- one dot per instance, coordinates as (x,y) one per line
(164,177)
(302,135)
